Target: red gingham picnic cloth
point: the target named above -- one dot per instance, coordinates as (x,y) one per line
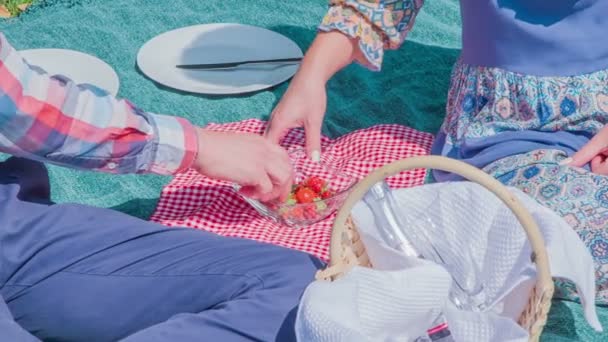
(192,200)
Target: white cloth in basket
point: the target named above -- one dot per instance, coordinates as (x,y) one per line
(359,307)
(400,298)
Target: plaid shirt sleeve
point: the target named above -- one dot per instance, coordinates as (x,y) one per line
(51,119)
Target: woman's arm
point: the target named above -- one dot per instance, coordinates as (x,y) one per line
(376,25)
(328,54)
(352,30)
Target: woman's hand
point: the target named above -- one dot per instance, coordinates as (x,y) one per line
(303,105)
(262,168)
(305,101)
(596,152)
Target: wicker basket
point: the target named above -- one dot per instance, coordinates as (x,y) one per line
(347,249)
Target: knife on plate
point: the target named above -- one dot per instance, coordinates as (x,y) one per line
(232,65)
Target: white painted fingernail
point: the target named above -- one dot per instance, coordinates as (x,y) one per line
(315,156)
(566,161)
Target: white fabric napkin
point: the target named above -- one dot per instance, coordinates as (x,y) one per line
(364,306)
(401,297)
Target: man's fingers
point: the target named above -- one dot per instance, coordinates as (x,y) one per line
(264,186)
(281,174)
(282,186)
(259,189)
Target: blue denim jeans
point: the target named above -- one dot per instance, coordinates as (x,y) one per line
(77,273)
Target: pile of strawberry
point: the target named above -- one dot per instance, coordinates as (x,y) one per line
(310,190)
(306,200)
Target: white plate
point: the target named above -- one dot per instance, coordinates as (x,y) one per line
(218,43)
(79,67)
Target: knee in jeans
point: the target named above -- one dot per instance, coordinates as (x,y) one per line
(297,271)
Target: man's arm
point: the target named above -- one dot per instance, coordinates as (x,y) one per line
(53,120)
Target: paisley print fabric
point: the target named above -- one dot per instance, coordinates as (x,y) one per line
(377,24)
(576,194)
(484,102)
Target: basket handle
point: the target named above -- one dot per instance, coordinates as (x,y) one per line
(454,166)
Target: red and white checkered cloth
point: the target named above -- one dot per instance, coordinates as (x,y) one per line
(192,200)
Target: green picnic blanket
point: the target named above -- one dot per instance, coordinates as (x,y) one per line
(411,90)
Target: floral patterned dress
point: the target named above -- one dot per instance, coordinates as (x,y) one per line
(515,119)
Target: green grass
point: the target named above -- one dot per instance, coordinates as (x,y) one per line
(12,5)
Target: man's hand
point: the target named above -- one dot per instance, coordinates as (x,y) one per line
(262,168)
(596,152)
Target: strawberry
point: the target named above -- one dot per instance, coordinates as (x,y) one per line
(297,212)
(310,212)
(305,195)
(316,184)
(326,194)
